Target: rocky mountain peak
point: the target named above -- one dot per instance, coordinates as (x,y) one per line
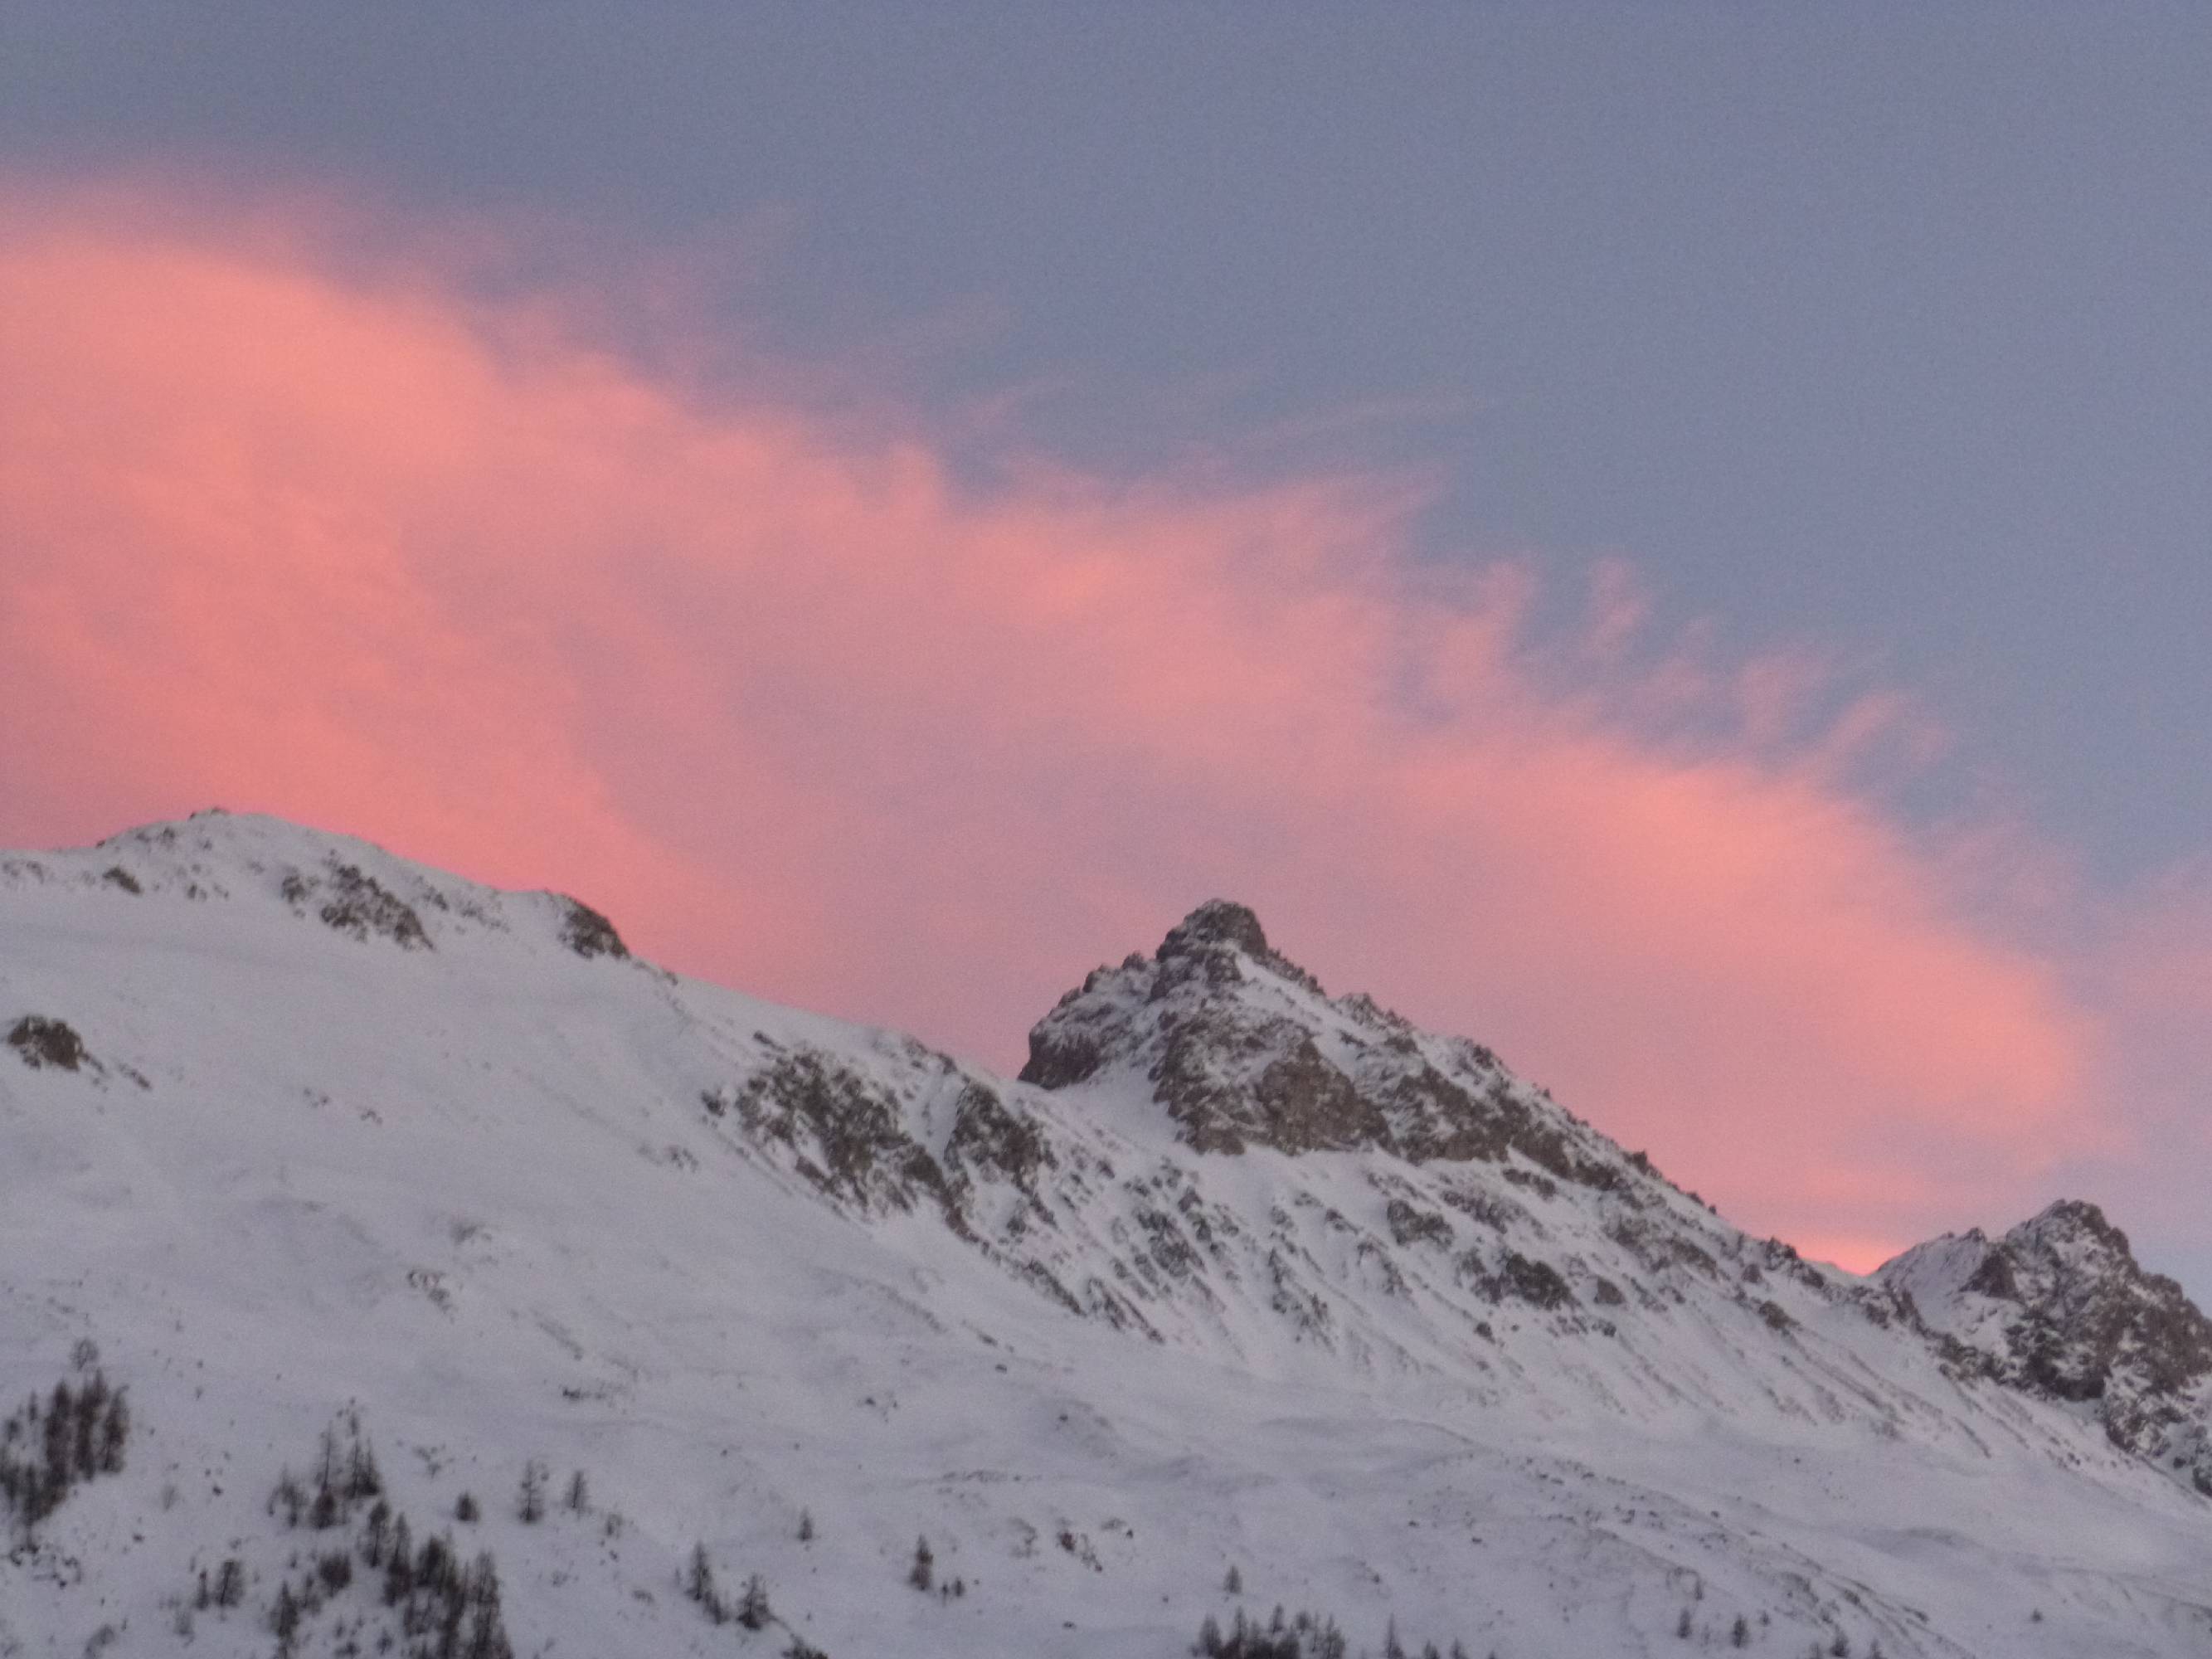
(1218,922)
(1242,1047)
(2060,1307)
(2076,1224)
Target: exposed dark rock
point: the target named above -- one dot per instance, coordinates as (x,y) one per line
(39,1042)
(355,903)
(1219,921)
(1059,1058)
(1994,1277)
(1526,1279)
(1542,1186)
(990,1138)
(848,1132)
(1409,1224)
(116,875)
(1660,1248)
(1297,1102)
(588,933)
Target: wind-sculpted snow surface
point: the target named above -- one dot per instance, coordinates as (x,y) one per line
(1243,1286)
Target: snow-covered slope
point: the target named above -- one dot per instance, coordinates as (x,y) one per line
(294,1135)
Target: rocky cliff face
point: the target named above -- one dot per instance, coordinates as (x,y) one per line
(1242,1048)
(2059,1307)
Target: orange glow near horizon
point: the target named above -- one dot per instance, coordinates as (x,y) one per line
(292,530)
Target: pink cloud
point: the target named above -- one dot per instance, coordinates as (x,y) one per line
(295,528)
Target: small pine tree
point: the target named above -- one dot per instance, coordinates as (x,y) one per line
(91,1407)
(752,1605)
(1740,1632)
(285,1618)
(699,1576)
(923,1573)
(465,1511)
(487,1637)
(61,1438)
(377,1534)
(530,1500)
(1682,1626)
(579,1495)
(230,1582)
(806,1526)
(363,1479)
(399,1565)
(434,1567)
(1232,1582)
(1392,1647)
(114,1433)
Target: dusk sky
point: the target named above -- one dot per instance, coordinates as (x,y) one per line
(1670,539)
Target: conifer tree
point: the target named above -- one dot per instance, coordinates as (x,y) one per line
(752,1605)
(530,1501)
(699,1577)
(114,1432)
(400,1570)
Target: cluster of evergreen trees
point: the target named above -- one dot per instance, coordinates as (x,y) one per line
(751,1611)
(1306,1636)
(345,1475)
(51,1445)
(447,1607)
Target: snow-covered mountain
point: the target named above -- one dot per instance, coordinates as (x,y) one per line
(367,1188)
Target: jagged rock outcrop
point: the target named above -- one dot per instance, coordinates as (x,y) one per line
(1242,1048)
(2059,1307)
(39,1042)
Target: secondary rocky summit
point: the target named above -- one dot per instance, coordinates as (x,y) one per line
(2060,1307)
